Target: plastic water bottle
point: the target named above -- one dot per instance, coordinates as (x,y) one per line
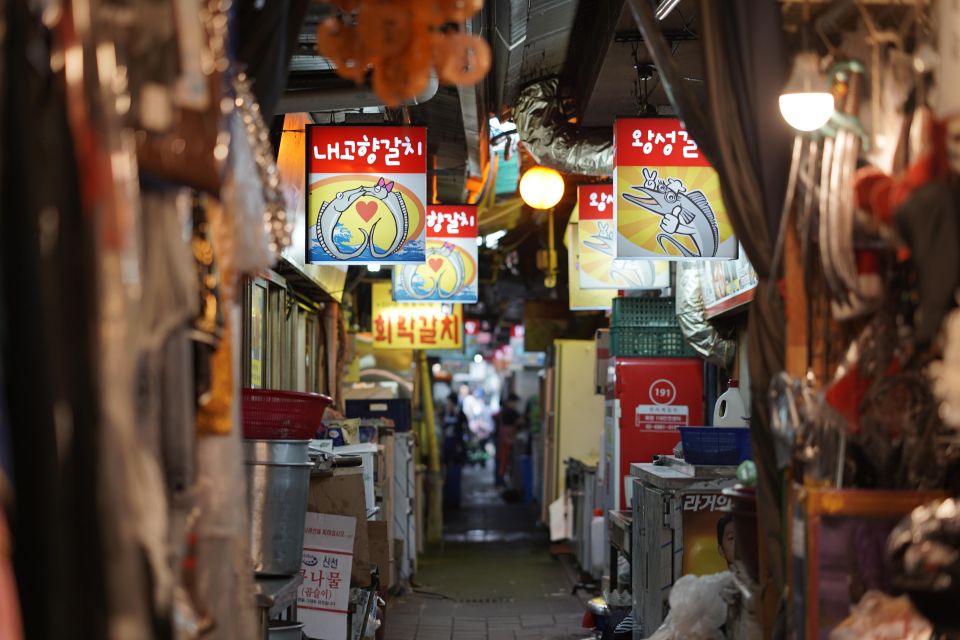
(730,410)
(598,541)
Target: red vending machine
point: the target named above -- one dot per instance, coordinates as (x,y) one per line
(647,399)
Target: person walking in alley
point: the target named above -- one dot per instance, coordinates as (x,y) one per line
(507,424)
(454,424)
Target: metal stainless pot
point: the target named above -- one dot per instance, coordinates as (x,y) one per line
(285,630)
(278,480)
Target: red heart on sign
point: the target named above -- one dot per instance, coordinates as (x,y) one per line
(366,209)
(435,263)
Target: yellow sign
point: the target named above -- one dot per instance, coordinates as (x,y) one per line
(583,299)
(414,325)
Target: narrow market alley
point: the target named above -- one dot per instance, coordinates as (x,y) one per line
(493,578)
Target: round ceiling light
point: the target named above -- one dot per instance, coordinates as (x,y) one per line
(541,187)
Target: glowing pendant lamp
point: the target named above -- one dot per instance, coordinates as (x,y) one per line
(805,103)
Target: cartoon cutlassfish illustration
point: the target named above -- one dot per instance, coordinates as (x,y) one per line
(682,213)
(639,273)
(436,257)
(332,210)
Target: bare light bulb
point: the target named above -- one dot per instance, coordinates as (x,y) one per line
(541,187)
(804,103)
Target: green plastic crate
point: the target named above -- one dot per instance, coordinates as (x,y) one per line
(649,342)
(644,312)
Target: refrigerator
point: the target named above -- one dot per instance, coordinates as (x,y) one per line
(574,424)
(646,400)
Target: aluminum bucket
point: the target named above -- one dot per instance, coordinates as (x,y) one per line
(285,630)
(278,481)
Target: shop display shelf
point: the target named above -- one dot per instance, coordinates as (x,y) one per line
(644,312)
(650,342)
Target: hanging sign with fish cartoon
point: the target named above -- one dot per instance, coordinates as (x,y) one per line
(599,267)
(367,190)
(667,201)
(449,273)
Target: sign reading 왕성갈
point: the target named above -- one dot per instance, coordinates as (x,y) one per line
(450,271)
(367,193)
(599,267)
(667,199)
(414,325)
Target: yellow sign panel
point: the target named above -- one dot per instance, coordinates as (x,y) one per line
(414,325)
(583,299)
(644,217)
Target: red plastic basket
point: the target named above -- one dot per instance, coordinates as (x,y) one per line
(282,415)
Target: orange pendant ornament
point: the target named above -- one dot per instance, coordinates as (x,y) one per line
(402,40)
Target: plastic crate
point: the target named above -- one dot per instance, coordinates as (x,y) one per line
(398,410)
(644,312)
(715,445)
(649,342)
(269,414)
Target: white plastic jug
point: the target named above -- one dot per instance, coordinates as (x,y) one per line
(598,542)
(731,411)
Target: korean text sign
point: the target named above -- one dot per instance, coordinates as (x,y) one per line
(450,271)
(324,594)
(599,267)
(414,325)
(667,201)
(366,194)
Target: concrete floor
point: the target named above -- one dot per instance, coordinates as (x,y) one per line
(493,578)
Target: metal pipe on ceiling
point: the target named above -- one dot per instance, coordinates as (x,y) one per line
(552,141)
(340,97)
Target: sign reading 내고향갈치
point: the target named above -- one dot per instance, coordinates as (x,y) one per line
(414,325)
(599,267)
(450,271)
(366,194)
(667,200)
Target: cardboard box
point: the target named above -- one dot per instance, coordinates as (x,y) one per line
(381,550)
(343,494)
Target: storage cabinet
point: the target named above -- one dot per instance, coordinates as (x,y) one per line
(675,512)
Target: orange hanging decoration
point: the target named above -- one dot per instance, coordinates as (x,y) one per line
(458,10)
(384,31)
(401,40)
(467,59)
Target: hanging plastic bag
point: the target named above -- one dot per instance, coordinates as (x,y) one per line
(697,609)
(878,616)
(244,206)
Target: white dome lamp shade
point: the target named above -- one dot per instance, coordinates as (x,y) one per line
(805,103)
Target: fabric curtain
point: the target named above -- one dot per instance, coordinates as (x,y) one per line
(740,131)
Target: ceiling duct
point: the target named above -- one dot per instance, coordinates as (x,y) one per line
(336,93)
(552,141)
(509,34)
(697,331)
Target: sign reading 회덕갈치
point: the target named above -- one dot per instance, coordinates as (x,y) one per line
(667,202)
(414,325)
(366,197)
(599,267)
(324,595)
(450,271)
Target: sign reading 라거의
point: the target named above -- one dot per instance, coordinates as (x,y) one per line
(667,202)
(414,325)
(599,267)
(450,271)
(367,189)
